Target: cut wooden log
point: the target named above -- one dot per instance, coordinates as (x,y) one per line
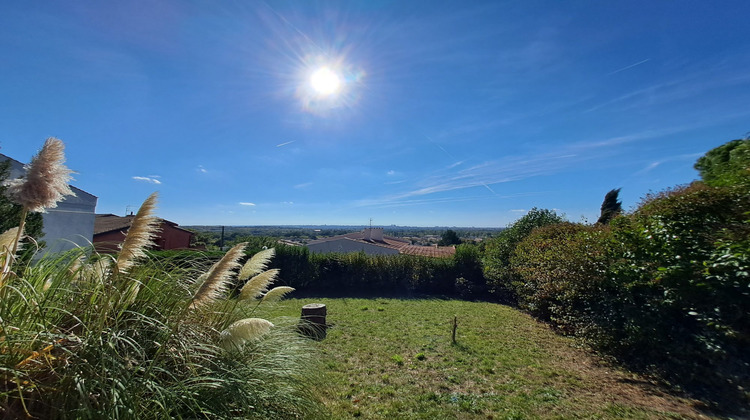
(313,323)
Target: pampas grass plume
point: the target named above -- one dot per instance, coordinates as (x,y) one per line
(46,180)
(215,282)
(256,264)
(140,235)
(258,284)
(276,293)
(244,330)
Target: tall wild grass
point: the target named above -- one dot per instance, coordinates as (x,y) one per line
(91,336)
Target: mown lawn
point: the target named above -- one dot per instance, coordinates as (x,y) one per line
(392,358)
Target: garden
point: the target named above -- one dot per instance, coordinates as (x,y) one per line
(643,314)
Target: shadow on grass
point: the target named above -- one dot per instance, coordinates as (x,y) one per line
(405,295)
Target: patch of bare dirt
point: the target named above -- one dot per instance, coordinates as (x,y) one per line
(610,384)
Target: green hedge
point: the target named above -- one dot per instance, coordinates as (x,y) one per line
(665,288)
(359,274)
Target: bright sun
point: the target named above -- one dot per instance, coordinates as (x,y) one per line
(325,82)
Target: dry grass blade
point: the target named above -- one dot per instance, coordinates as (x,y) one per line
(140,235)
(244,330)
(257,264)
(258,284)
(46,180)
(277,293)
(218,276)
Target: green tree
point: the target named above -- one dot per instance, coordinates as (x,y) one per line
(10,213)
(726,165)
(499,250)
(450,237)
(611,207)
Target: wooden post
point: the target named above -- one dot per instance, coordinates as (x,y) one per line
(455,325)
(313,323)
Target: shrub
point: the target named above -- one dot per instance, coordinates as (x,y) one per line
(665,288)
(679,246)
(499,250)
(726,165)
(468,265)
(562,272)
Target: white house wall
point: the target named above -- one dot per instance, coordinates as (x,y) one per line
(347,245)
(71,223)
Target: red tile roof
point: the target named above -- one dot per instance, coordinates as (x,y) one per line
(104,223)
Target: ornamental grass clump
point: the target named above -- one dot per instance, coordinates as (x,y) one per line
(125,336)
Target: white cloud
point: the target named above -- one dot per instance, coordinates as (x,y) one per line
(391,172)
(202,170)
(150,179)
(244,203)
(303,185)
(518,211)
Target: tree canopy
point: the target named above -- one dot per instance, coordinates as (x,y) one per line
(726,165)
(611,207)
(450,237)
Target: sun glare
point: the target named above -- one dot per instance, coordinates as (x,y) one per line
(325,82)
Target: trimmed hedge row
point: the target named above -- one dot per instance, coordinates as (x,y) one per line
(358,274)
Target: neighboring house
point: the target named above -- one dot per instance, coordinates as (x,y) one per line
(110,230)
(71,223)
(371,241)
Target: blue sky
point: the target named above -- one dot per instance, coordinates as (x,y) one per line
(449,113)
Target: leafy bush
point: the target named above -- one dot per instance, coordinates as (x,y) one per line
(562,270)
(726,165)
(470,282)
(665,288)
(498,250)
(679,246)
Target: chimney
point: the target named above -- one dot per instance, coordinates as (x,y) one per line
(373,234)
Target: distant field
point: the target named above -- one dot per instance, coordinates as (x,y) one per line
(390,358)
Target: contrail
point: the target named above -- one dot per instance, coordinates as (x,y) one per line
(284,144)
(629,67)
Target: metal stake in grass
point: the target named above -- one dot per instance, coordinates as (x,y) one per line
(455,325)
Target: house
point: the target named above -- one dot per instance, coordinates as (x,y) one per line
(371,241)
(110,230)
(71,223)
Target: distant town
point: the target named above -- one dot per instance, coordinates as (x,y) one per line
(302,234)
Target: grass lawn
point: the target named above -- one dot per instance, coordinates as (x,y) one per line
(392,358)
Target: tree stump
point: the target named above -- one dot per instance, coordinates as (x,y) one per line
(313,323)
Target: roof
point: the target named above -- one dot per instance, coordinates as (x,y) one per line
(17,169)
(104,223)
(401,245)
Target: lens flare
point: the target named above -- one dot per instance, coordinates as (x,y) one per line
(325,82)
